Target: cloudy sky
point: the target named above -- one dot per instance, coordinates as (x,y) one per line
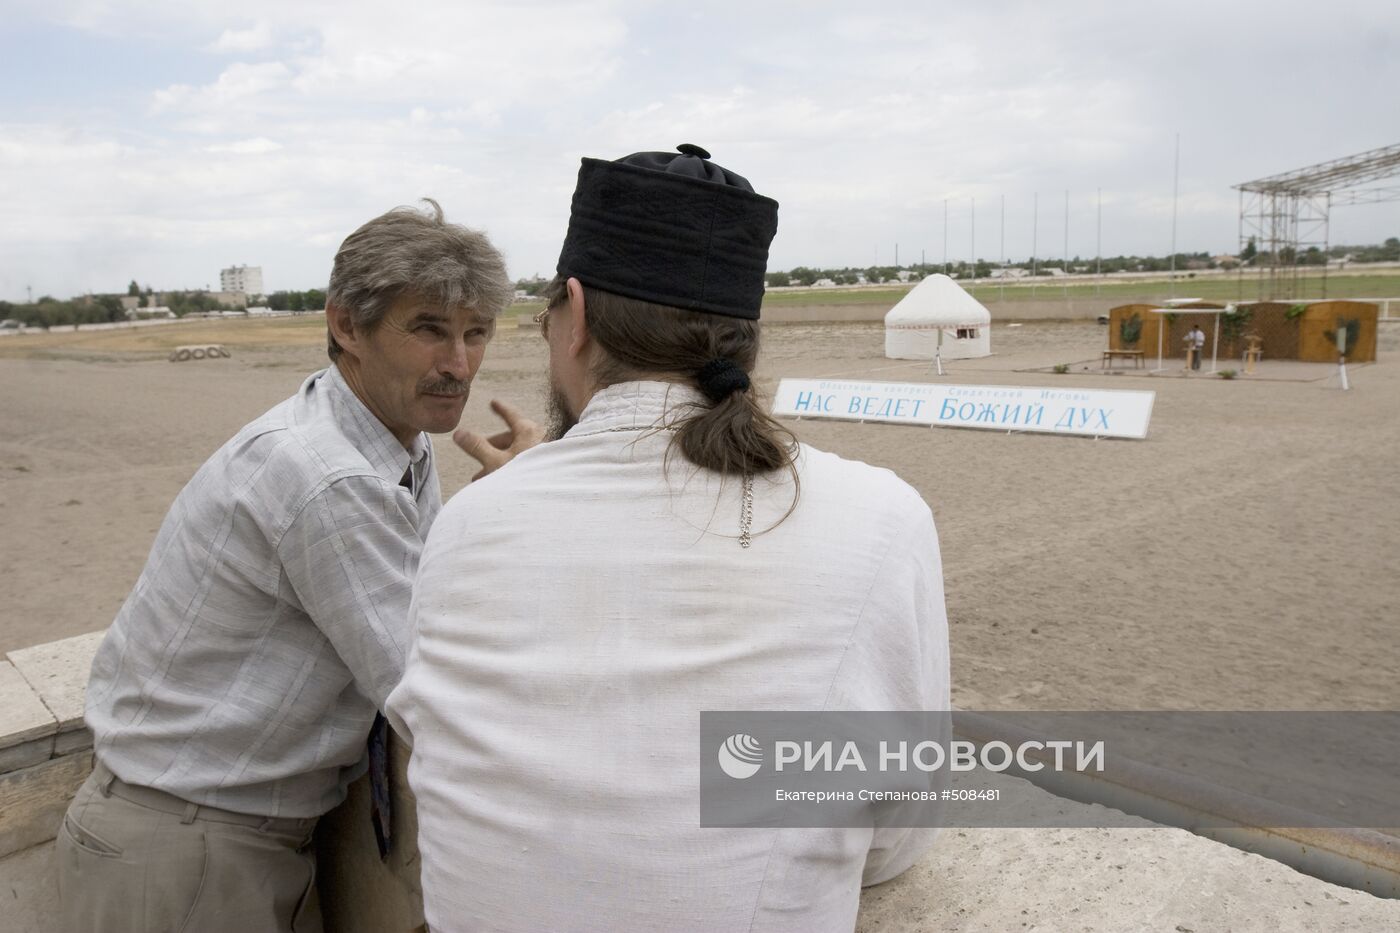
(164,140)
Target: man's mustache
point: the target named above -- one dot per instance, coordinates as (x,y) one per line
(445,387)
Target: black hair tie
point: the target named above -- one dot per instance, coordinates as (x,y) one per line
(720,378)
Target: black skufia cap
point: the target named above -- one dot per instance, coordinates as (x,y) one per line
(670,228)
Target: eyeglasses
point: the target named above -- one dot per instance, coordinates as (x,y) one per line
(542,319)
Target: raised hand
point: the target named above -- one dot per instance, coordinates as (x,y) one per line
(497,450)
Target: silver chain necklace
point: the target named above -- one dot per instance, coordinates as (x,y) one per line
(746,501)
(746,513)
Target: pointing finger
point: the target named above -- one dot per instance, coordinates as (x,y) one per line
(511,415)
(479,448)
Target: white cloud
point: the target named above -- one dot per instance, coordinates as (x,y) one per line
(256,146)
(253,39)
(237,83)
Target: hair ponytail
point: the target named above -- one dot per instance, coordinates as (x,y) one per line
(736,435)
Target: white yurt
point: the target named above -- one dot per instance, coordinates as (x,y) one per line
(938,306)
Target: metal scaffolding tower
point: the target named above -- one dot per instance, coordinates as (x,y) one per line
(1287,214)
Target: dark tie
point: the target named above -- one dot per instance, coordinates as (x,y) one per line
(380,803)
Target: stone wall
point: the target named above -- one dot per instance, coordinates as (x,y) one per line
(45,750)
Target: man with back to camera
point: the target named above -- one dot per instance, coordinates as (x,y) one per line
(232,696)
(673,550)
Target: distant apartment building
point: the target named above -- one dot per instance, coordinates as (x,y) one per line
(246,279)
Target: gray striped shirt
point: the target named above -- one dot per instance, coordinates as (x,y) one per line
(270,621)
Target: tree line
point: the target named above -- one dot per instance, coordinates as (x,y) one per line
(313,299)
(1389,251)
(102,309)
(48,311)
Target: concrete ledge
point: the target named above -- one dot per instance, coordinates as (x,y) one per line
(42,694)
(45,749)
(23,716)
(26,754)
(1358,858)
(58,673)
(73,741)
(33,800)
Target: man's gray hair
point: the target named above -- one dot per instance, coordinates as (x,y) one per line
(408,251)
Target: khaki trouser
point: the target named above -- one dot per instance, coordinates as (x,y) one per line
(138,860)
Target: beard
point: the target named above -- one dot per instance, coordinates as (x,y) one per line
(560,418)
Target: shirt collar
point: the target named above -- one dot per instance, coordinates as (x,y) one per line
(380,447)
(638,405)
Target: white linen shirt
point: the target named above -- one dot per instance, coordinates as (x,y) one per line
(576,611)
(270,622)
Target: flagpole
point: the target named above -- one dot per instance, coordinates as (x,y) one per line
(1176,177)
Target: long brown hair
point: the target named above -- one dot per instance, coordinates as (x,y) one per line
(642,340)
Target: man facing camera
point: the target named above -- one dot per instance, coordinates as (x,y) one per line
(673,550)
(232,696)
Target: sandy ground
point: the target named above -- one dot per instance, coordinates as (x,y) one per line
(1242,557)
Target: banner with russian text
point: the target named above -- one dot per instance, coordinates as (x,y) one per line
(1086,412)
